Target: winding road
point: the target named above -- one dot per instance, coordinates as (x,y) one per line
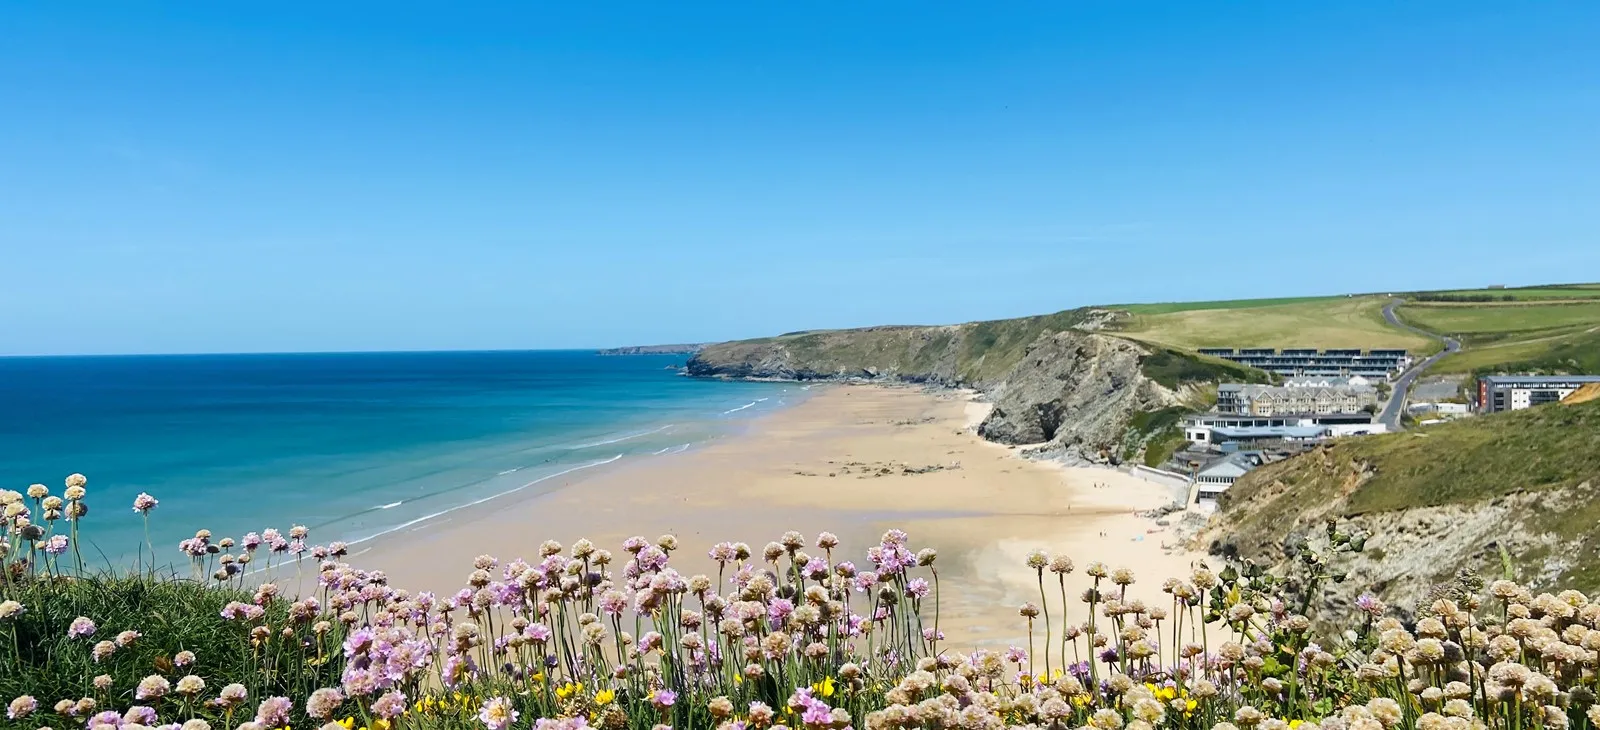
(1390,415)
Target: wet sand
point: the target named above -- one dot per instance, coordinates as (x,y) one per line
(853,460)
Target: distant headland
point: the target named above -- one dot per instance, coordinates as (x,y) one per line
(655,349)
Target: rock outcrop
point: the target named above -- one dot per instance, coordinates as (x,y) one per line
(1074,393)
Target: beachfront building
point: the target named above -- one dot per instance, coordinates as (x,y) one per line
(1498,393)
(1223,431)
(1301,362)
(1313,396)
(1215,479)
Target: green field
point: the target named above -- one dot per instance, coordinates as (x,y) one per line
(1573,353)
(1320,322)
(1508,337)
(1496,320)
(1170,307)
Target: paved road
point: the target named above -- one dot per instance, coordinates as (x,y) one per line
(1390,416)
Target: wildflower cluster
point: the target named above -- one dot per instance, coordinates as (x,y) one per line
(786,637)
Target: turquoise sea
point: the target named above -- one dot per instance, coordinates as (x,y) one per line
(351,445)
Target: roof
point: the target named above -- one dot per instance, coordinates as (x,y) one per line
(1235,465)
(1290,432)
(1539,379)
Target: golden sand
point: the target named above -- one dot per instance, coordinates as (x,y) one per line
(853,460)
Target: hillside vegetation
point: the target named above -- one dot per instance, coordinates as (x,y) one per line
(1518,488)
(1319,322)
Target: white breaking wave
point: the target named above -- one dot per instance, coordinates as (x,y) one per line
(740,408)
(391,505)
(479,501)
(620,439)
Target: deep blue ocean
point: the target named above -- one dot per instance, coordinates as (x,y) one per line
(351,445)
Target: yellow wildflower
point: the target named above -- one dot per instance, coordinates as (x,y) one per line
(348,722)
(604,697)
(567,690)
(824,688)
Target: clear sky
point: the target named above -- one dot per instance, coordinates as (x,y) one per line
(219,176)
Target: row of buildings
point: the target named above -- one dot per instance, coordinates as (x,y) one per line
(1325,394)
(1376,364)
(1256,424)
(1304,395)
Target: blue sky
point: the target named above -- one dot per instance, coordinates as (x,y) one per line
(188,177)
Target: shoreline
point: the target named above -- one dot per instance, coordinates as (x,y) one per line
(512,495)
(852,459)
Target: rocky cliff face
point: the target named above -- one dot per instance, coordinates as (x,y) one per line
(1068,391)
(1074,393)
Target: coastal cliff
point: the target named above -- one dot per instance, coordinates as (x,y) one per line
(1059,383)
(1073,394)
(1515,493)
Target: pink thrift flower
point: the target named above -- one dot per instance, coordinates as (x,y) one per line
(144,503)
(81,626)
(498,714)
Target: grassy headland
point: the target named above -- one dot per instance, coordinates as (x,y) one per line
(970,353)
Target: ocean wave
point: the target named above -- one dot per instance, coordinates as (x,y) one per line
(680,448)
(619,439)
(481,500)
(390,505)
(740,408)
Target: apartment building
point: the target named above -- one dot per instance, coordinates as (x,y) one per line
(1498,393)
(1378,364)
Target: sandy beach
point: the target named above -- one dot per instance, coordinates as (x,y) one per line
(853,460)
